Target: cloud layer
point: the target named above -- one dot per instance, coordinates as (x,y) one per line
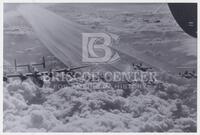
(162,108)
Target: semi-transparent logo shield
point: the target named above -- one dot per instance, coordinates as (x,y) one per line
(98,48)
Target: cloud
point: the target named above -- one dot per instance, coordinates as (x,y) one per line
(74,109)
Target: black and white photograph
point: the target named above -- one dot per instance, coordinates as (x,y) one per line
(100,67)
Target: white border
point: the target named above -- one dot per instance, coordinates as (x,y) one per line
(92,1)
(1,66)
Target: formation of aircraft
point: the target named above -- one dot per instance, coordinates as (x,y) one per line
(188,74)
(141,67)
(189,26)
(35,75)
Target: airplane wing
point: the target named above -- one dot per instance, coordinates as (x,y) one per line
(70,69)
(74,68)
(28,74)
(38,74)
(18,75)
(185,15)
(12,75)
(60,70)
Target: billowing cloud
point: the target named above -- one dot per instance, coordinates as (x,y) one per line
(73,109)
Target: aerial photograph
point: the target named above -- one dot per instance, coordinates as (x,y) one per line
(99,67)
